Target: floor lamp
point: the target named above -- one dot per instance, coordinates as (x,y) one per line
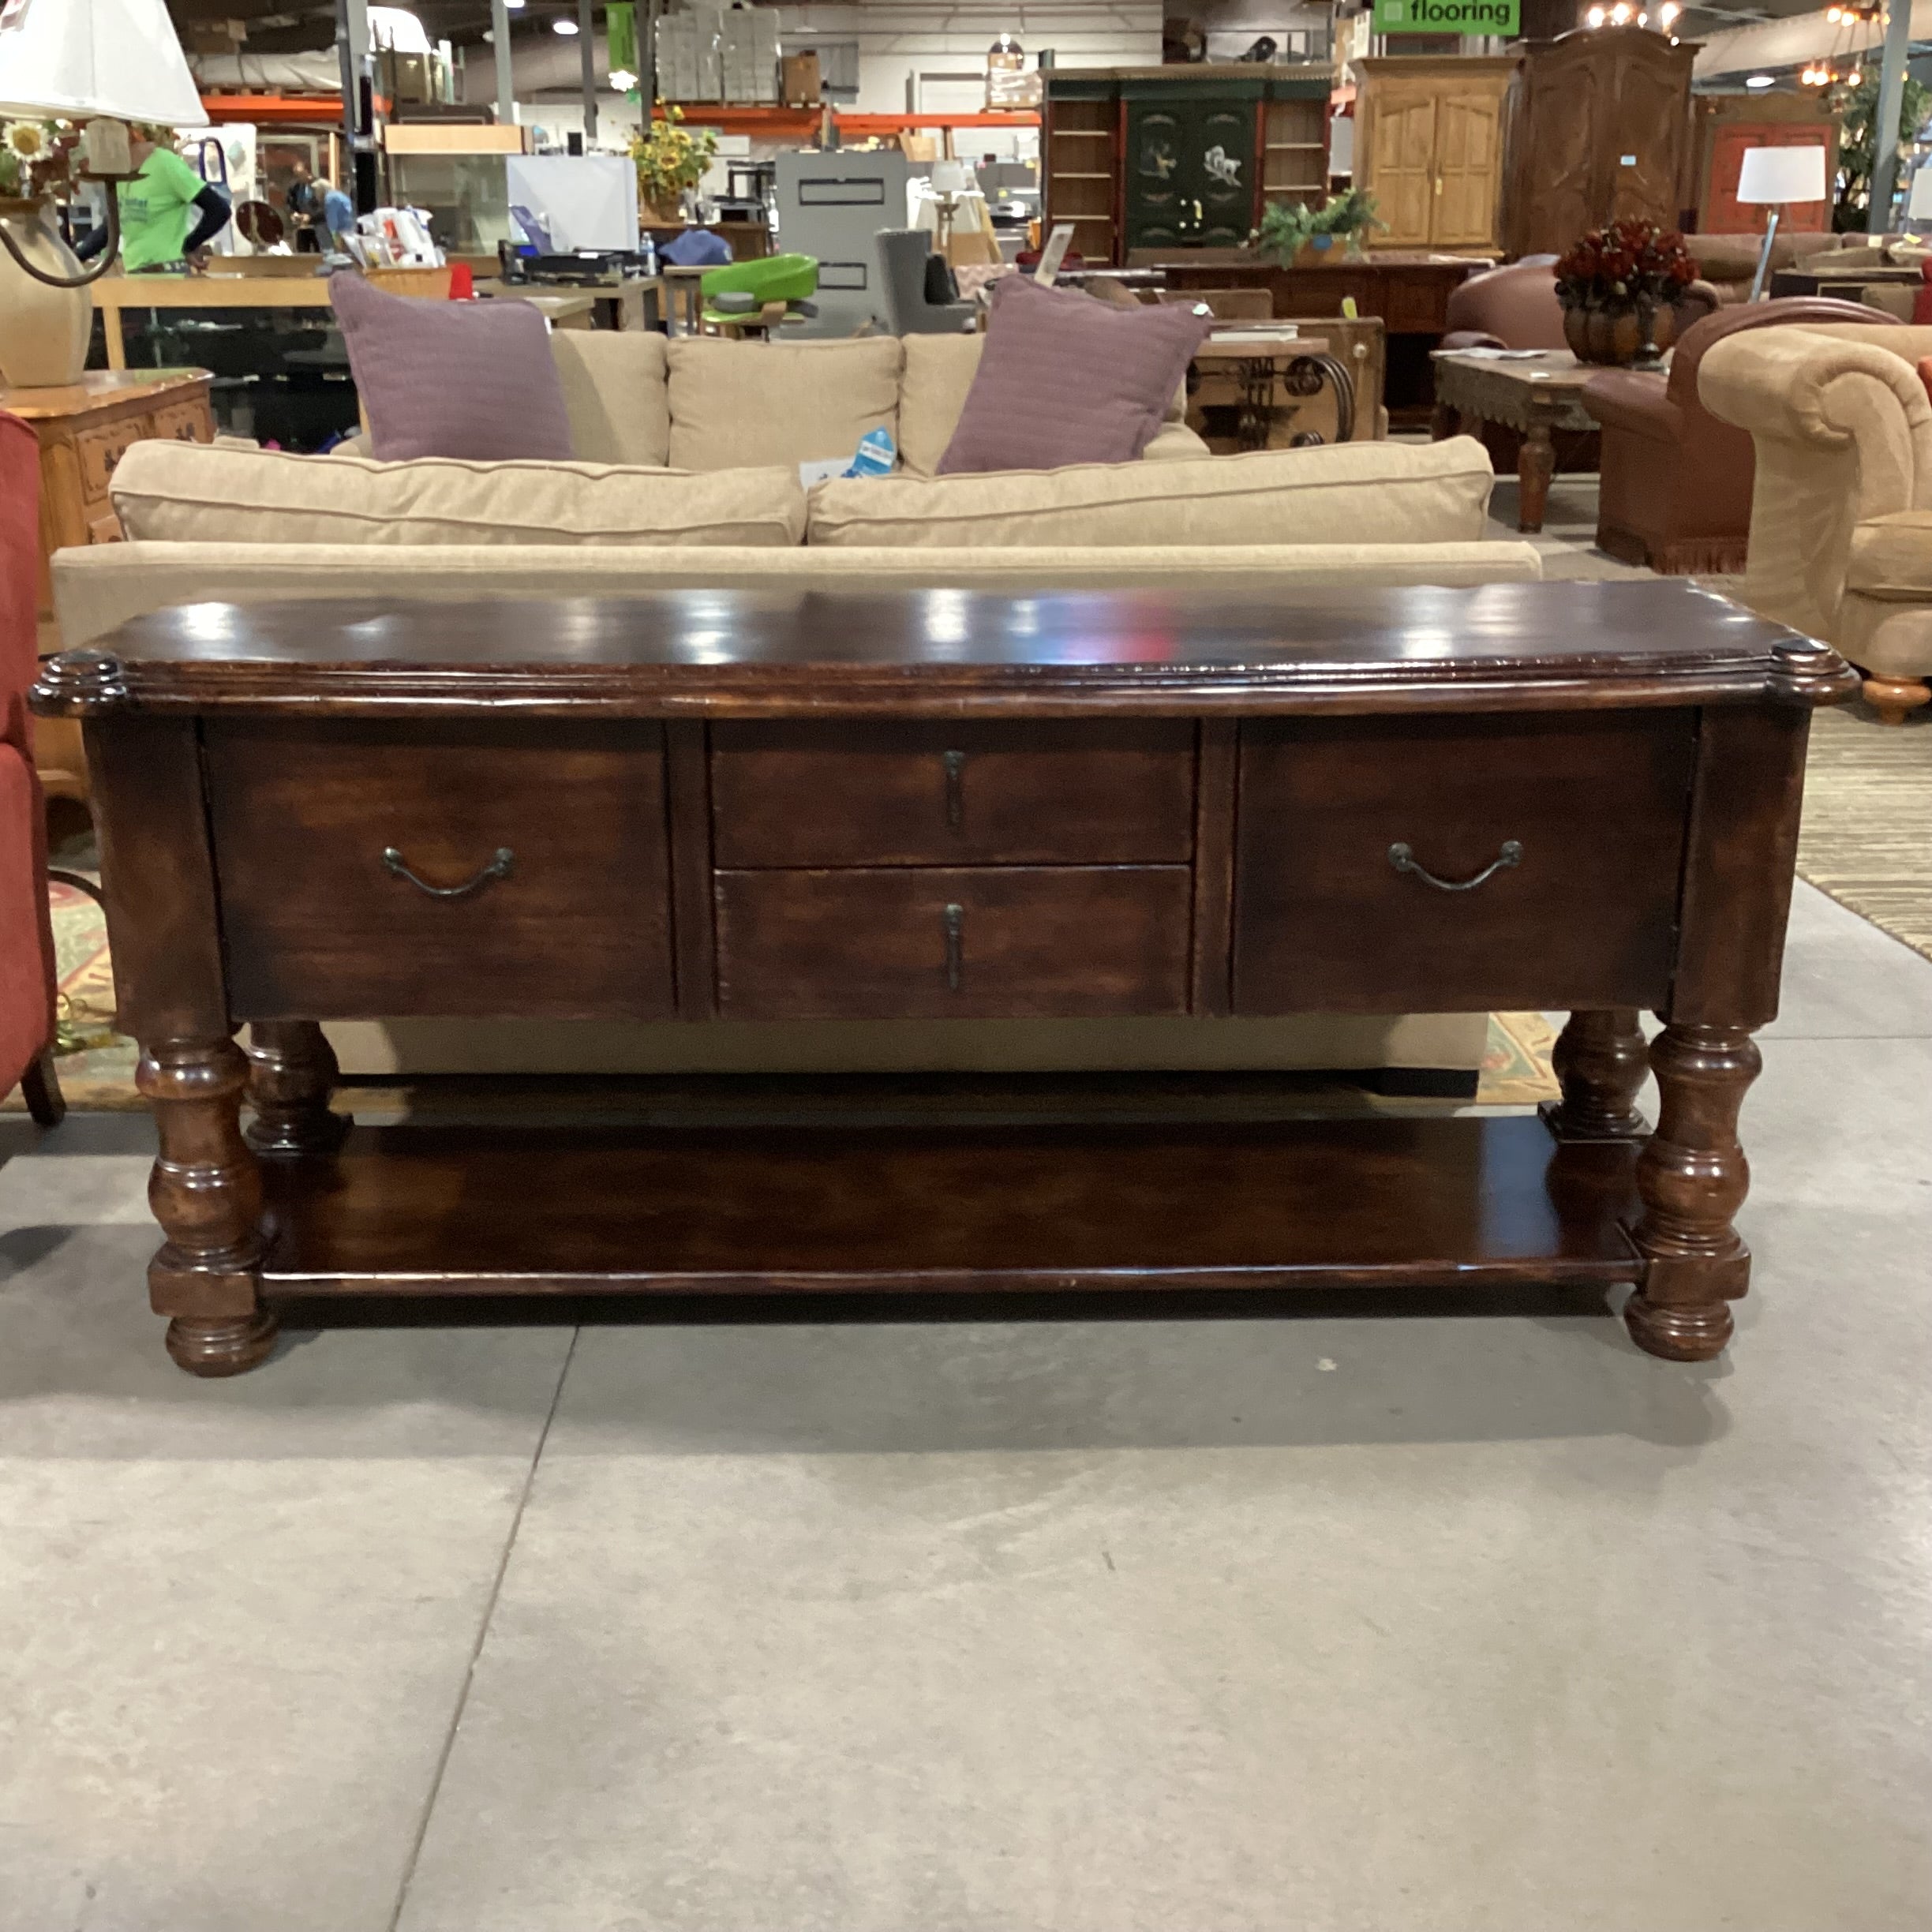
(1778,176)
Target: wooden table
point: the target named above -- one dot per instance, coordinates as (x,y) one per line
(634,304)
(83,429)
(116,293)
(1409,290)
(950,805)
(1537,396)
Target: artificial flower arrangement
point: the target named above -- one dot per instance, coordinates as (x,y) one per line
(669,157)
(1629,262)
(34,158)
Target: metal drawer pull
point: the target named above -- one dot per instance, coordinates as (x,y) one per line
(955,763)
(956,943)
(1402,859)
(498,868)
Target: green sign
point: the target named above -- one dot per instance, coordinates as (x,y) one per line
(1448,17)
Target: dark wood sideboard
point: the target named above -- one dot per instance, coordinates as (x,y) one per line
(768,806)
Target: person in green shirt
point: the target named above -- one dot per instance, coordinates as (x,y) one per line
(168,211)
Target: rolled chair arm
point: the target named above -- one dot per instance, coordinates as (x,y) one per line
(1701,297)
(1623,399)
(1802,386)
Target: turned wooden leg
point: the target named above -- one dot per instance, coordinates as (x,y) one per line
(1600,1061)
(1692,1177)
(1892,697)
(292,1073)
(40,1084)
(1534,468)
(206,1192)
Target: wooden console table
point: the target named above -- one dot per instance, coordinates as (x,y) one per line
(735,805)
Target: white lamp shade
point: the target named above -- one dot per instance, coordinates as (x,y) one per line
(70,59)
(1919,209)
(1782,174)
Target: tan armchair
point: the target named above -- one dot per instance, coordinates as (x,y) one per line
(1841,518)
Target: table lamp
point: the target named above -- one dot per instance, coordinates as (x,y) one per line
(1779,176)
(1919,208)
(104,63)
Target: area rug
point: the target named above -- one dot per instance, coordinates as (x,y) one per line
(1867,835)
(97,1065)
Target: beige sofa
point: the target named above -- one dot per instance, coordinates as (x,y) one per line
(732,422)
(1841,516)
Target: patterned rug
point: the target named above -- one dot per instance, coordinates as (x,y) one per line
(97,1064)
(1867,834)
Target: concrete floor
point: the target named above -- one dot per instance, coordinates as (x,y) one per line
(1471,1622)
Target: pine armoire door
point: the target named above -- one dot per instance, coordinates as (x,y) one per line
(1402,164)
(1468,170)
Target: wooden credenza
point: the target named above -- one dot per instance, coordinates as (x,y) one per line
(945,804)
(83,429)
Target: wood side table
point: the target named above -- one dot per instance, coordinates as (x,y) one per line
(1537,396)
(957,806)
(83,429)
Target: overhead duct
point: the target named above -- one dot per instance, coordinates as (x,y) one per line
(1769,47)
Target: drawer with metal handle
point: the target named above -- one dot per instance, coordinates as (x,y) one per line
(1111,791)
(1500,861)
(379,872)
(940,942)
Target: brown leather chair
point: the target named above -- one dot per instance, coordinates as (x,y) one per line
(1676,491)
(1511,308)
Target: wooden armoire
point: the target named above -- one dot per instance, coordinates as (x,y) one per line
(1428,146)
(1598,130)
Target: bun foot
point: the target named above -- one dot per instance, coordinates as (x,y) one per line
(225,1344)
(1697,1332)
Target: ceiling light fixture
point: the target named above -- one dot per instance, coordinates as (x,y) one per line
(622,80)
(563,24)
(1761,80)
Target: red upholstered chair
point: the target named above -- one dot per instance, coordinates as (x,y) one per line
(26,934)
(1677,481)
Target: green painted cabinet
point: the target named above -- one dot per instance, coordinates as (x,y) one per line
(1190,174)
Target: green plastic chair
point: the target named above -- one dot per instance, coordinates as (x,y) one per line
(764,294)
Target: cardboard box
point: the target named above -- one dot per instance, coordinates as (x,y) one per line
(800,85)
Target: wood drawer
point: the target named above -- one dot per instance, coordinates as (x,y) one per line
(100,450)
(1116,793)
(318,926)
(1324,921)
(937,942)
(184,422)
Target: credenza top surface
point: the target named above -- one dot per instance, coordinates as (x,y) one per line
(795,650)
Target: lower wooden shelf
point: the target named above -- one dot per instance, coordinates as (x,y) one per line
(1316,1203)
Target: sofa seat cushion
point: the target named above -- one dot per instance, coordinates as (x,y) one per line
(614,389)
(1430,492)
(735,405)
(194,492)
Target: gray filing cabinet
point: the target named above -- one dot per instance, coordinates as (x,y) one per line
(831,206)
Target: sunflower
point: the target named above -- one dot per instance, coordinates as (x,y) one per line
(26,139)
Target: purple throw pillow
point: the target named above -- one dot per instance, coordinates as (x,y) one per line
(1065,379)
(469,379)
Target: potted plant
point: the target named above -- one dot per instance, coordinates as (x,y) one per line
(43,329)
(1295,230)
(1617,287)
(670,158)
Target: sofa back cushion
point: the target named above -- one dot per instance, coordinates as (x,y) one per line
(1432,492)
(614,390)
(1064,379)
(737,404)
(189,493)
(472,379)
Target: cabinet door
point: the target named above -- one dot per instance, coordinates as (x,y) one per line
(1157,140)
(1643,117)
(1723,213)
(1555,173)
(1468,134)
(1190,173)
(1401,165)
